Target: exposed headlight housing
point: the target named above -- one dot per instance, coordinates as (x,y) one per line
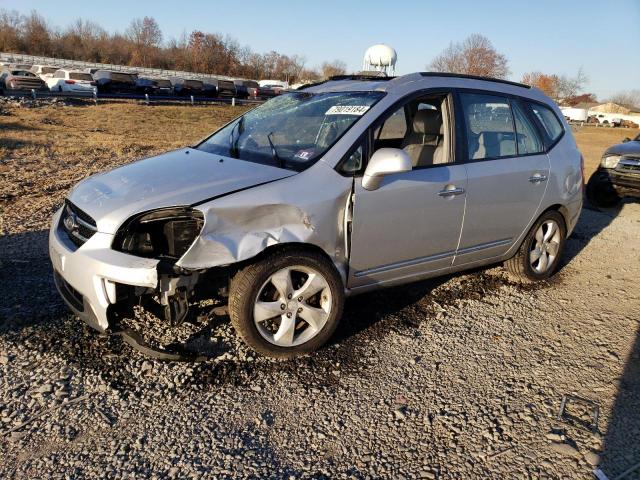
(610,161)
(166,233)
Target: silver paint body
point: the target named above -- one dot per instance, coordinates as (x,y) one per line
(402,231)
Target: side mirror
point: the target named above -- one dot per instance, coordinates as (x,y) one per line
(626,139)
(385,162)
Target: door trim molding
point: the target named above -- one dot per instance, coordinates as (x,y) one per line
(404,263)
(482,246)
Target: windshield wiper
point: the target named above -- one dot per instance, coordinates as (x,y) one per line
(274,153)
(233,143)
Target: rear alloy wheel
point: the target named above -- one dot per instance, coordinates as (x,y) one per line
(286,304)
(540,252)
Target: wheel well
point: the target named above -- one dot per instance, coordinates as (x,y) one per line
(560,209)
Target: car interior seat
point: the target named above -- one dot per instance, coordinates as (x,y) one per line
(423,143)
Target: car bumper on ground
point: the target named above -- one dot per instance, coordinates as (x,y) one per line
(86,276)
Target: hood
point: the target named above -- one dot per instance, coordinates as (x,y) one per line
(181,177)
(631,147)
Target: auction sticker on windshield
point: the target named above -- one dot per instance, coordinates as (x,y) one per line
(348,110)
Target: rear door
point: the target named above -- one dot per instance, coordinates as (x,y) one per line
(507,172)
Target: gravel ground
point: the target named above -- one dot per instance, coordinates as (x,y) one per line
(458,377)
(452,378)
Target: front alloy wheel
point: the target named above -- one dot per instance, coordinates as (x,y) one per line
(287,304)
(293,306)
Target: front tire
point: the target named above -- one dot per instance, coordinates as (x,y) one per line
(539,255)
(600,192)
(287,304)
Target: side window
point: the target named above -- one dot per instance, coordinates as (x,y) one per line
(526,134)
(353,163)
(489,126)
(395,127)
(549,121)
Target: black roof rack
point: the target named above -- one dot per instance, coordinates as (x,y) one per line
(361,77)
(473,77)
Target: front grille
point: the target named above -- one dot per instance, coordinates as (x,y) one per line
(69,293)
(78,225)
(629,165)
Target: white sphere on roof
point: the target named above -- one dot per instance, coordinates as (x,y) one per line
(380,57)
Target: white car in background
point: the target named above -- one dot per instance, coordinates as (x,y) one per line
(43,71)
(64,80)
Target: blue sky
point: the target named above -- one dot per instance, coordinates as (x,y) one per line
(557,36)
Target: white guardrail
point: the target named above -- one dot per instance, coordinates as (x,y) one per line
(144,71)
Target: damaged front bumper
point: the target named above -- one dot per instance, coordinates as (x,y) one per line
(87,276)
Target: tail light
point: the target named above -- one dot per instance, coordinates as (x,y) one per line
(70,82)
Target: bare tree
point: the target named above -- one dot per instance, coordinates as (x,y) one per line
(568,87)
(475,55)
(146,36)
(330,69)
(630,98)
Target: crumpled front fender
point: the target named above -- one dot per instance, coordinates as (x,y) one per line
(305,208)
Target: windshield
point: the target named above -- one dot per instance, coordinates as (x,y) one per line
(293,130)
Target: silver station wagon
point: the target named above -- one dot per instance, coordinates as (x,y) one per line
(342,187)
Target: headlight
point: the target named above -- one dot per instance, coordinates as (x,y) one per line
(610,161)
(162,233)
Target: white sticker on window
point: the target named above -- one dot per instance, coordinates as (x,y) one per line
(347,110)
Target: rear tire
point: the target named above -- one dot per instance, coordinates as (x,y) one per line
(539,255)
(271,311)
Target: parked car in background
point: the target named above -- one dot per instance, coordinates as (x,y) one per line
(146,85)
(43,71)
(74,81)
(265,93)
(108,81)
(187,87)
(274,84)
(163,86)
(251,87)
(226,88)
(13,79)
(343,187)
(617,176)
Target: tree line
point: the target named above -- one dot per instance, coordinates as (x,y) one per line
(143,44)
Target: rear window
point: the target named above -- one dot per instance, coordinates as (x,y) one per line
(80,76)
(122,77)
(22,73)
(549,121)
(193,83)
(489,123)
(163,83)
(46,70)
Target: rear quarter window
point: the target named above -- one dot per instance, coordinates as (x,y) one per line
(548,119)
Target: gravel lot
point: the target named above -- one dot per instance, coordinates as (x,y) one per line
(458,377)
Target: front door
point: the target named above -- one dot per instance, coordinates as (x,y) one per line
(411,224)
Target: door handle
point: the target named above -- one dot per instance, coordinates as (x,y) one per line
(538,178)
(450,191)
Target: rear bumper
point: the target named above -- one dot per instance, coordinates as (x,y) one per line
(86,276)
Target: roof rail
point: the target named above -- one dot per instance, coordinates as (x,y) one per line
(361,77)
(473,77)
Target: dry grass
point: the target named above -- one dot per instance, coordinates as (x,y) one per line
(593,141)
(45,150)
